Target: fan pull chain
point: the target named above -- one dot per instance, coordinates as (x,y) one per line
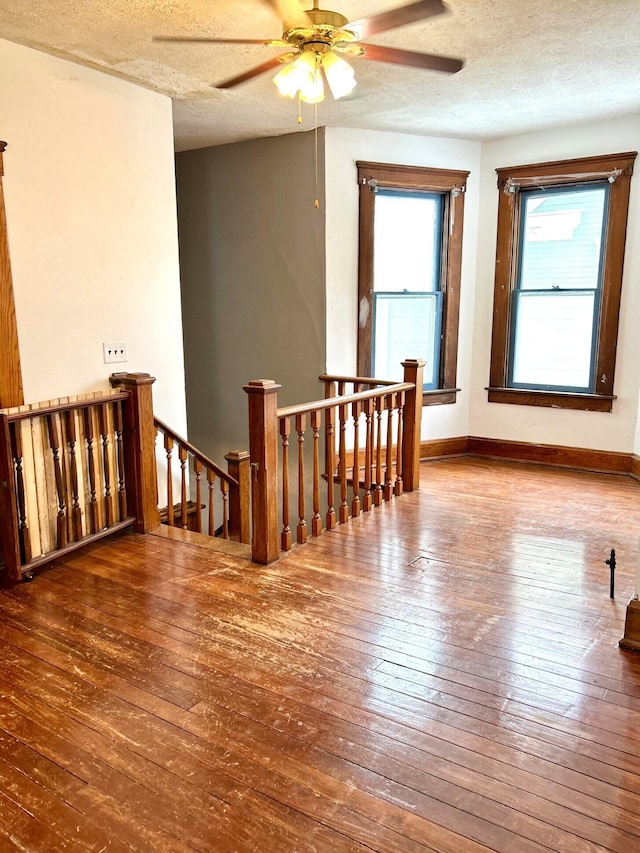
(299,108)
(316,203)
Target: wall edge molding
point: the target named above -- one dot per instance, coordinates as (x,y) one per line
(580,458)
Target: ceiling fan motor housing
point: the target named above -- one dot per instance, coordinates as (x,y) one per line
(325,28)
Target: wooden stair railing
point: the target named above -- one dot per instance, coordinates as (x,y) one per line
(369,465)
(382,426)
(78,469)
(197,477)
(70,473)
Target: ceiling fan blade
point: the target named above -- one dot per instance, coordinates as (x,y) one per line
(209,40)
(411,57)
(373,24)
(247,75)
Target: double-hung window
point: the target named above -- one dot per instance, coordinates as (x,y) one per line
(561,232)
(409,272)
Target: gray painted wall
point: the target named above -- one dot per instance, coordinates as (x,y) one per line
(253,279)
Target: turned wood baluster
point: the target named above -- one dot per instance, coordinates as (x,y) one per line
(330,455)
(301,531)
(54,442)
(388,480)
(343,415)
(183,456)
(76,511)
(330,463)
(372,460)
(285,536)
(168,447)
(197,470)
(400,404)
(211,478)
(91,468)
(122,489)
(316,521)
(355,477)
(23,527)
(377,492)
(367,499)
(104,436)
(224,487)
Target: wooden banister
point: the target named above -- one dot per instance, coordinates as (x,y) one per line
(356,380)
(412,423)
(263,449)
(317,405)
(197,454)
(139,450)
(238,468)
(365,422)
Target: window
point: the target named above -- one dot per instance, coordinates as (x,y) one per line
(409,272)
(560,250)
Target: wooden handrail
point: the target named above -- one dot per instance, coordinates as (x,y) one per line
(357,380)
(197,454)
(20,413)
(329,402)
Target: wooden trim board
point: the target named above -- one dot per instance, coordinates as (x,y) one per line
(603,461)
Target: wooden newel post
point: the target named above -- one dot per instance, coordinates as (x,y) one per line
(139,441)
(631,638)
(9,537)
(411,424)
(239,497)
(263,451)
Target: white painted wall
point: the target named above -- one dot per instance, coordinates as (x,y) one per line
(90,198)
(614,431)
(343,148)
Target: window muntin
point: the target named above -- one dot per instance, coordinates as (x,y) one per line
(556,301)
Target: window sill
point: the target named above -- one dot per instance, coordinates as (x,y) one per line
(552,399)
(439,397)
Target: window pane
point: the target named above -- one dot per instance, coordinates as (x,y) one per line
(561,238)
(406,242)
(553,339)
(403,324)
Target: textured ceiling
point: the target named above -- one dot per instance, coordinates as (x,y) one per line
(530,64)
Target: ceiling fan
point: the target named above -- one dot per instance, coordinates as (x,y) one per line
(315,38)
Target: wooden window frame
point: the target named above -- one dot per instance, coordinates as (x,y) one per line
(452,185)
(580,171)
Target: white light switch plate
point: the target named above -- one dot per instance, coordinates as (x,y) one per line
(115,352)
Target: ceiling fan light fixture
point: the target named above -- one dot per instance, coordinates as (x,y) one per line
(297,75)
(340,75)
(313,91)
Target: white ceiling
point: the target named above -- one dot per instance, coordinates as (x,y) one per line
(530,64)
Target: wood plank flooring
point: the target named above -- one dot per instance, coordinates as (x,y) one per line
(440,675)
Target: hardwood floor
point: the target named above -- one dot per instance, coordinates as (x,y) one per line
(442,674)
